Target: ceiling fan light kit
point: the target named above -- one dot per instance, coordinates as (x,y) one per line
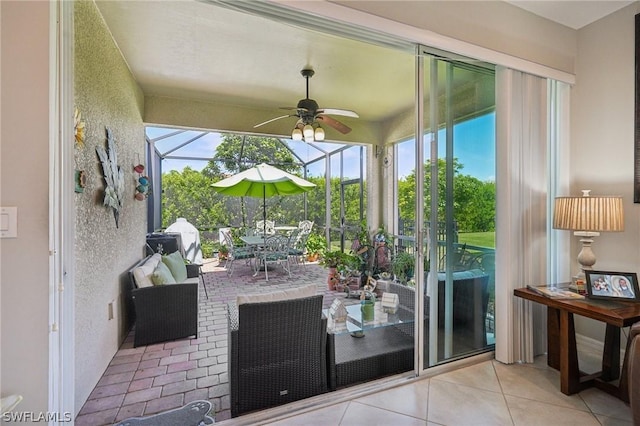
(308,113)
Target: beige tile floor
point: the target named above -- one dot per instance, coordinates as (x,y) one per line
(488,393)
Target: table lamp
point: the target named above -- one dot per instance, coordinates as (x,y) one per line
(588,216)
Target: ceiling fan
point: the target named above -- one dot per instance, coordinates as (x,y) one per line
(309,114)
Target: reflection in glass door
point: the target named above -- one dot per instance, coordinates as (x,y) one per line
(458,208)
(348,195)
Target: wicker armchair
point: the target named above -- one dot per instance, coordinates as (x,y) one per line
(165,312)
(277,353)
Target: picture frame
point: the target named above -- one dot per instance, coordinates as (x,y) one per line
(612,285)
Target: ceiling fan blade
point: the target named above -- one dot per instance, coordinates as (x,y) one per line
(334,111)
(332,122)
(273,119)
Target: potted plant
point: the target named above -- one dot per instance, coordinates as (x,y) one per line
(223,252)
(331,259)
(316,244)
(402,266)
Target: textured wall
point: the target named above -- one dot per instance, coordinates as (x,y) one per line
(107,95)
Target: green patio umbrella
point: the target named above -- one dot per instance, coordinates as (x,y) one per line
(263,181)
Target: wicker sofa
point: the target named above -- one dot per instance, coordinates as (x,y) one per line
(277,349)
(163,312)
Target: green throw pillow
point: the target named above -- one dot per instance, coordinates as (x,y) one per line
(176,265)
(162,275)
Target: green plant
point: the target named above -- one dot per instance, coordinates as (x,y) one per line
(331,258)
(403,265)
(316,244)
(208,247)
(381,235)
(352,263)
(362,236)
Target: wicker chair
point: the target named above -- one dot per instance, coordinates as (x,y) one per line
(277,353)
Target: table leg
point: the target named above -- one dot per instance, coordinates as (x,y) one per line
(569,369)
(553,338)
(611,354)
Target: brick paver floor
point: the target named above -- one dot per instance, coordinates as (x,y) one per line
(149,379)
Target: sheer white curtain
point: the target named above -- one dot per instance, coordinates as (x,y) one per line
(522,210)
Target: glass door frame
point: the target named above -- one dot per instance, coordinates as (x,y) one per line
(426,239)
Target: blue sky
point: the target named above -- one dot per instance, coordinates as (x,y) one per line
(474,146)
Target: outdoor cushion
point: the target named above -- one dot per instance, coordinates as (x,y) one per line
(176,265)
(162,275)
(142,274)
(286,294)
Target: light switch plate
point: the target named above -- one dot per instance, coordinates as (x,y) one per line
(8,222)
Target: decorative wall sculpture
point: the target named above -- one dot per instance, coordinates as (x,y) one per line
(113,176)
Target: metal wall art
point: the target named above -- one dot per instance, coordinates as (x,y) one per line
(113,176)
(142,185)
(78,128)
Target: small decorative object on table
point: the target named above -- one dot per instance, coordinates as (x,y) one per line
(555,292)
(337,311)
(367,305)
(390,302)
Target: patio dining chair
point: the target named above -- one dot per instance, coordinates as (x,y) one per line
(297,245)
(274,251)
(235,252)
(269,228)
(305,226)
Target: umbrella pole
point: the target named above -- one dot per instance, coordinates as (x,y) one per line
(264,212)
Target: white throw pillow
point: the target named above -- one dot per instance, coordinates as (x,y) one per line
(292,293)
(142,274)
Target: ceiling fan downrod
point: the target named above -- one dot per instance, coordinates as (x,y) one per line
(307,74)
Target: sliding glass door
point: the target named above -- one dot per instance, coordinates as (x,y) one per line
(457,207)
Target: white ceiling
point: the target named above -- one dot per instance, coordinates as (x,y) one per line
(197,50)
(571,13)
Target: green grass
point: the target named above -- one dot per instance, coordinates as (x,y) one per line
(481,239)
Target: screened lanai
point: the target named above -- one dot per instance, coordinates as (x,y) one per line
(219,154)
(419,163)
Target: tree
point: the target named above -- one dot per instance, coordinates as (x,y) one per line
(188,194)
(473,200)
(240,152)
(237,153)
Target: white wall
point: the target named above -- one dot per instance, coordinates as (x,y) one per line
(602,129)
(24,177)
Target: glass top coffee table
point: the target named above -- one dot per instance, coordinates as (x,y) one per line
(356,326)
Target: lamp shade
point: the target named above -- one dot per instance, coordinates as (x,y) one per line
(595,214)
(296,134)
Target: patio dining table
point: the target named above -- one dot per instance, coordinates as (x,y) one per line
(253,240)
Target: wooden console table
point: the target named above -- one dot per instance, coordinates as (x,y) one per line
(561,340)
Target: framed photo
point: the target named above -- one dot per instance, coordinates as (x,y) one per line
(613,285)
